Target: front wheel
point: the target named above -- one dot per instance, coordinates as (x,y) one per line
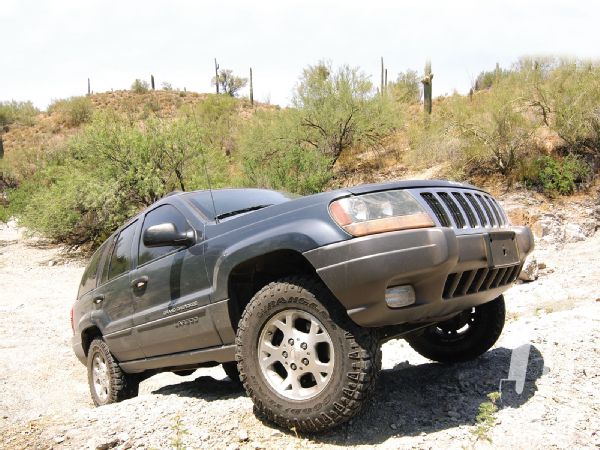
(303,362)
(463,337)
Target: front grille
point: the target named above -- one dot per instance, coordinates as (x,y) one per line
(463,208)
(473,281)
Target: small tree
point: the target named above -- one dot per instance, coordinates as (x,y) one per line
(406,88)
(339,110)
(228,82)
(140,86)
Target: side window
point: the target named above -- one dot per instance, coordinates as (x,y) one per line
(88,281)
(120,260)
(106,262)
(162,214)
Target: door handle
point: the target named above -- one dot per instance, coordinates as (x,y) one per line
(139,283)
(98,299)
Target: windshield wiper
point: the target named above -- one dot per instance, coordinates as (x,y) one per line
(240,211)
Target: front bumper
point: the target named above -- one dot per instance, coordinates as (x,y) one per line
(358,272)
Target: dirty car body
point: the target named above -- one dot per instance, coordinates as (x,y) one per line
(396,256)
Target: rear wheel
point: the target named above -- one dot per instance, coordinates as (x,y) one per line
(108,383)
(303,362)
(463,337)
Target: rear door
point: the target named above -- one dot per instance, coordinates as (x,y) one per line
(113,299)
(171,304)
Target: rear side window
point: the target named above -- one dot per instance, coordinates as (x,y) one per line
(120,260)
(88,281)
(162,214)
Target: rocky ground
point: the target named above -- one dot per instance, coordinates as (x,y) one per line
(44,399)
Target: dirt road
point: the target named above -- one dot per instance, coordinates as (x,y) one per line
(44,399)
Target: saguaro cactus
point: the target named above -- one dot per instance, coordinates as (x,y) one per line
(382,76)
(1,146)
(152,81)
(251,89)
(89,88)
(217,75)
(427,77)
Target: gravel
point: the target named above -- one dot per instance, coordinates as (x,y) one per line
(45,402)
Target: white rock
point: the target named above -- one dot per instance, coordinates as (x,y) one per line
(530,269)
(243,435)
(574,233)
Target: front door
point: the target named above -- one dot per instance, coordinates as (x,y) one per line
(171,293)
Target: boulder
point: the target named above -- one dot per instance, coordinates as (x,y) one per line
(530,271)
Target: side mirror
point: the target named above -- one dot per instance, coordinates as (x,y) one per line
(166,234)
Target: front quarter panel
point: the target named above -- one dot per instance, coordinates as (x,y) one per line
(228,245)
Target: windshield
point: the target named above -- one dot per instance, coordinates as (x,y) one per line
(230,202)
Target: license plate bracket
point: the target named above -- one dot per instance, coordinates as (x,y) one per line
(502,249)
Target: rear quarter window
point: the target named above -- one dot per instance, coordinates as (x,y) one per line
(88,280)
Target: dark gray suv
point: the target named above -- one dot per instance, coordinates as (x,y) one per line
(294,296)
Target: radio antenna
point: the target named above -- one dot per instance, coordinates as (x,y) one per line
(212,198)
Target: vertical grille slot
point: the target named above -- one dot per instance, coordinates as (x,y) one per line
(478,210)
(451,284)
(488,213)
(494,210)
(437,208)
(456,214)
(499,277)
(489,279)
(466,208)
(479,279)
(500,211)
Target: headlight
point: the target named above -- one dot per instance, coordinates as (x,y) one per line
(379,212)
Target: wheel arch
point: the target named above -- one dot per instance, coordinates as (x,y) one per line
(248,277)
(88,335)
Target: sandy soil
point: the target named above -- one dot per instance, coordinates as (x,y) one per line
(45,403)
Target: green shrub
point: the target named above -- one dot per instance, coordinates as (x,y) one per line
(111,170)
(558,176)
(274,155)
(339,109)
(140,86)
(23,113)
(406,88)
(73,111)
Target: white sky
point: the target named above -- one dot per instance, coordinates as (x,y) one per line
(50,48)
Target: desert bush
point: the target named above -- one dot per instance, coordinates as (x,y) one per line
(560,176)
(406,88)
(140,86)
(23,113)
(111,170)
(228,82)
(339,109)
(73,111)
(567,95)
(217,117)
(275,155)
(486,79)
(495,132)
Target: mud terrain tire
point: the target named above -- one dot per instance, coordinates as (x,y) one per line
(444,342)
(350,373)
(108,383)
